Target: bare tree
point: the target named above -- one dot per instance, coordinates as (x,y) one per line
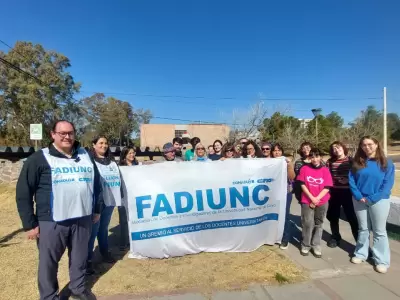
(248,123)
(292,137)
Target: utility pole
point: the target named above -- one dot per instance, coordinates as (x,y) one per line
(384,122)
(316,112)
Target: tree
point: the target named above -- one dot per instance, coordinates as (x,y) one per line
(113,118)
(275,126)
(291,137)
(393,126)
(25,100)
(368,123)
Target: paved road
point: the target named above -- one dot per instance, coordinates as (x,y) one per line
(396,160)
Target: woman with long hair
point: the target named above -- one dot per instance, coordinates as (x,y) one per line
(112,195)
(277,151)
(128,157)
(371,180)
(339,164)
(251,150)
(228,151)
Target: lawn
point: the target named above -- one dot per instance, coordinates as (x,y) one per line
(203,272)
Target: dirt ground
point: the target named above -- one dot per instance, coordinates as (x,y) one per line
(204,272)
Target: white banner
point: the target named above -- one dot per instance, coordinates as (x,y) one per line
(183,208)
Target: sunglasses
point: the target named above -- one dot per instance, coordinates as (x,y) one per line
(265,149)
(201,149)
(230,150)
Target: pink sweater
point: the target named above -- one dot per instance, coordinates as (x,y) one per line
(315,179)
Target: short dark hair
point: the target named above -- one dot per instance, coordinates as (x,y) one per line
(303,144)
(177,140)
(53,128)
(315,152)
(194,141)
(339,143)
(210,146)
(277,145)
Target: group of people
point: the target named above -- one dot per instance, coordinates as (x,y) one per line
(75,195)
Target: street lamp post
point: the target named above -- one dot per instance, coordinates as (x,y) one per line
(316,112)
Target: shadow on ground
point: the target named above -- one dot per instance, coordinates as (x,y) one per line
(326,236)
(100,267)
(9,237)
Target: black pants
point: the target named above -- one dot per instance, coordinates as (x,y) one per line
(123,223)
(341,198)
(54,239)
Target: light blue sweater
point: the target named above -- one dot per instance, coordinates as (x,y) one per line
(372,182)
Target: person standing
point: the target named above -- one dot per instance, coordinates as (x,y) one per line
(315,181)
(371,180)
(127,158)
(251,150)
(169,154)
(266,149)
(200,153)
(64,183)
(339,164)
(178,142)
(112,195)
(228,151)
(189,154)
(217,150)
(277,151)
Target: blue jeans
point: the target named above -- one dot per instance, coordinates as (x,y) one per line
(287,229)
(373,216)
(100,230)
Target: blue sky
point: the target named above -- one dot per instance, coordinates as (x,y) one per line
(222,49)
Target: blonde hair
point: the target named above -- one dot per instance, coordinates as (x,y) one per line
(200,145)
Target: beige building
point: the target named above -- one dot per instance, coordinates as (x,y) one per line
(156,135)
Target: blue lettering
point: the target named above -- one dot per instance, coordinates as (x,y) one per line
(162,205)
(256,192)
(178,202)
(235,195)
(210,199)
(199,198)
(141,206)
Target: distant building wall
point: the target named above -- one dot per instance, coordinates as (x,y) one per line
(156,135)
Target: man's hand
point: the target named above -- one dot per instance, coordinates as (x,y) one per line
(96,218)
(33,234)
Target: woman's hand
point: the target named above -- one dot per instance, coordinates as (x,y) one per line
(363,200)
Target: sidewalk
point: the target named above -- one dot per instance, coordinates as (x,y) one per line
(331,277)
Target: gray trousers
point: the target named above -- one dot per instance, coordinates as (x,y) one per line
(311,221)
(55,237)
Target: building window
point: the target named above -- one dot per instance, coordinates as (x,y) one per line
(179,133)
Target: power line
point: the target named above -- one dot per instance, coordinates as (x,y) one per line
(232,98)
(16,68)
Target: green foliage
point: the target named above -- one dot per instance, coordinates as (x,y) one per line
(24,100)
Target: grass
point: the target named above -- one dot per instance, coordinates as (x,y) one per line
(203,272)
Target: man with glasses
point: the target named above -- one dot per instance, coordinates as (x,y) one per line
(64,183)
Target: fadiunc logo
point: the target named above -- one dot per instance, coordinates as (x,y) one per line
(183,202)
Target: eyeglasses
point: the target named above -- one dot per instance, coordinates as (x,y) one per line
(201,149)
(63,134)
(230,150)
(265,149)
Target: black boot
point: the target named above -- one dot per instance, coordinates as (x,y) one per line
(86,295)
(89,268)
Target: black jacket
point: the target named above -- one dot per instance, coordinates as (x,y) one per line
(35,185)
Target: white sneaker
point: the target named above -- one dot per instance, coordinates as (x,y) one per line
(317,251)
(381,269)
(304,251)
(356,260)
